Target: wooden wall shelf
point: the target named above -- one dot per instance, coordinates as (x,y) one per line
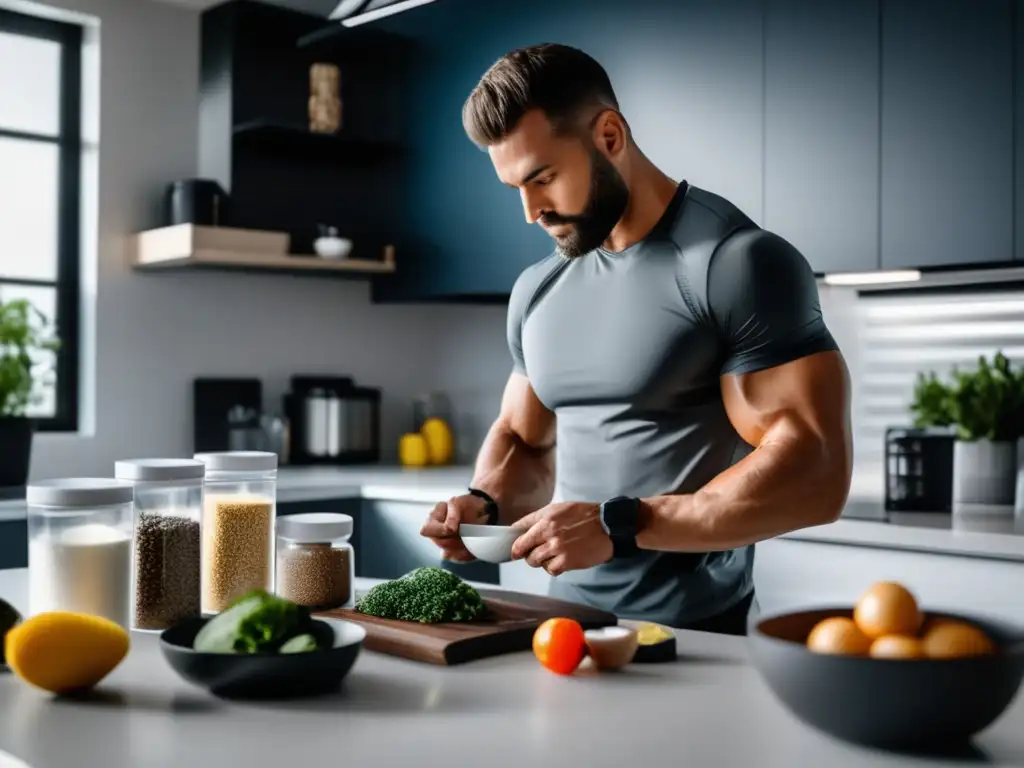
(187,246)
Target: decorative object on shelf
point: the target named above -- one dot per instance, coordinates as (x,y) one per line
(195,201)
(324,98)
(985,406)
(330,245)
(26,333)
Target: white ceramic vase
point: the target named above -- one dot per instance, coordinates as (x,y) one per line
(985,473)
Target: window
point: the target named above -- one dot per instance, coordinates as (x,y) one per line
(40,159)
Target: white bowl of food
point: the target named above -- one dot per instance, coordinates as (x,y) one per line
(490,543)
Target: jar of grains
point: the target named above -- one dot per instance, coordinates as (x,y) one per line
(80,547)
(315,563)
(239,505)
(166,562)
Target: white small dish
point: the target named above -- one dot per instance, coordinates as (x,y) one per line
(490,543)
(332,247)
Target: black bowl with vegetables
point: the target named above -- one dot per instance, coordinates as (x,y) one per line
(263,647)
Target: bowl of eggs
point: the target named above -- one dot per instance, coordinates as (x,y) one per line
(887,673)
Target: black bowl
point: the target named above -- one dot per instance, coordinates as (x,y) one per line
(895,704)
(265,675)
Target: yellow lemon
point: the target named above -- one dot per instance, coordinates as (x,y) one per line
(63,652)
(440,442)
(412,450)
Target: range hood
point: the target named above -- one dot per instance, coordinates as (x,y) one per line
(352,13)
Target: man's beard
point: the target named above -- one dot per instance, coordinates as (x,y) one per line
(609,196)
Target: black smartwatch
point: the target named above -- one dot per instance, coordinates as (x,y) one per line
(620,518)
(491,506)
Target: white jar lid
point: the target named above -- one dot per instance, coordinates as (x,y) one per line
(159,470)
(79,492)
(315,527)
(239,461)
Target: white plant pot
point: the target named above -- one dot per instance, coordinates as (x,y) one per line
(985,473)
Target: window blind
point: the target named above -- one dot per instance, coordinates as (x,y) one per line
(903,334)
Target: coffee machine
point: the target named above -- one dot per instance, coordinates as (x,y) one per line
(333,421)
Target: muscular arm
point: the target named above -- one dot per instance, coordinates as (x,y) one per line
(516,464)
(796,416)
(786,391)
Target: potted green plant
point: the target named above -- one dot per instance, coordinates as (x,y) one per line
(985,407)
(24,333)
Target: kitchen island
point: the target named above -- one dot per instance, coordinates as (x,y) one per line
(709,708)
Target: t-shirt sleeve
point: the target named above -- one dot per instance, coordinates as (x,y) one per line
(762,294)
(518,301)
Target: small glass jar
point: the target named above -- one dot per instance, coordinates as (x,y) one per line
(80,547)
(166,565)
(239,507)
(316,565)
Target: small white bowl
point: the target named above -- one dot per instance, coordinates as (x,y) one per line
(490,543)
(332,247)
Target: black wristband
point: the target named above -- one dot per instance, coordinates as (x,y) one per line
(491,504)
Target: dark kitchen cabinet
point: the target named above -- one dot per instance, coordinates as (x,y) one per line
(821,130)
(1018,97)
(255,139)
(947,132)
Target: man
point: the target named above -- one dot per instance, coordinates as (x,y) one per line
(669,358)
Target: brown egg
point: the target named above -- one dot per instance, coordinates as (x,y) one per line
(955,640)
(933,622)
(896,647)
(887,608)
(838,635)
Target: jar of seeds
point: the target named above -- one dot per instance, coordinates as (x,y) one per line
(315,563)
(239,506)
(166,552)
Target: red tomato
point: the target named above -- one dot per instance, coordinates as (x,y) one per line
(559,645)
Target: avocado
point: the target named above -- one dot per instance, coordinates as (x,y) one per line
(8,618)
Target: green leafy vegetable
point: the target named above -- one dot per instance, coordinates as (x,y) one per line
(428,595)
(256,623)
(299,644)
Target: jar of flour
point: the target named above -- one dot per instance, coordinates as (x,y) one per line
(80,547)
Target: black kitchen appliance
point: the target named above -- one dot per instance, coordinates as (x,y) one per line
(918,470)
(226,413)
(333,421)
(196,201)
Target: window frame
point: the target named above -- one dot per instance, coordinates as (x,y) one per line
(69,143)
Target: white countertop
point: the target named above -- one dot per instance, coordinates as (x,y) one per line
(711,708)
(983,536)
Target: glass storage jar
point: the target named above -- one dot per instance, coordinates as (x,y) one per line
(80,547)
(166,563)
(239,507)
(315,563)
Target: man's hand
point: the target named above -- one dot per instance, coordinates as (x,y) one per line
(563,537)
(442,526)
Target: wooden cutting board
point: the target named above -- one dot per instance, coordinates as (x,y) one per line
(513,617)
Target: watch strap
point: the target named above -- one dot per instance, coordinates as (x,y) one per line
(491,506)
(621,531)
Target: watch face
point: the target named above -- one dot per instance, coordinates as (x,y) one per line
(619,516)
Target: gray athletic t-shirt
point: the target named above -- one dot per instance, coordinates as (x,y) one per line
(627,349)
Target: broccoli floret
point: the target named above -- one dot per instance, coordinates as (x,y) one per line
(428,595)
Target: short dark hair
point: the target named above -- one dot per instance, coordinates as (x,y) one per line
(557,79)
